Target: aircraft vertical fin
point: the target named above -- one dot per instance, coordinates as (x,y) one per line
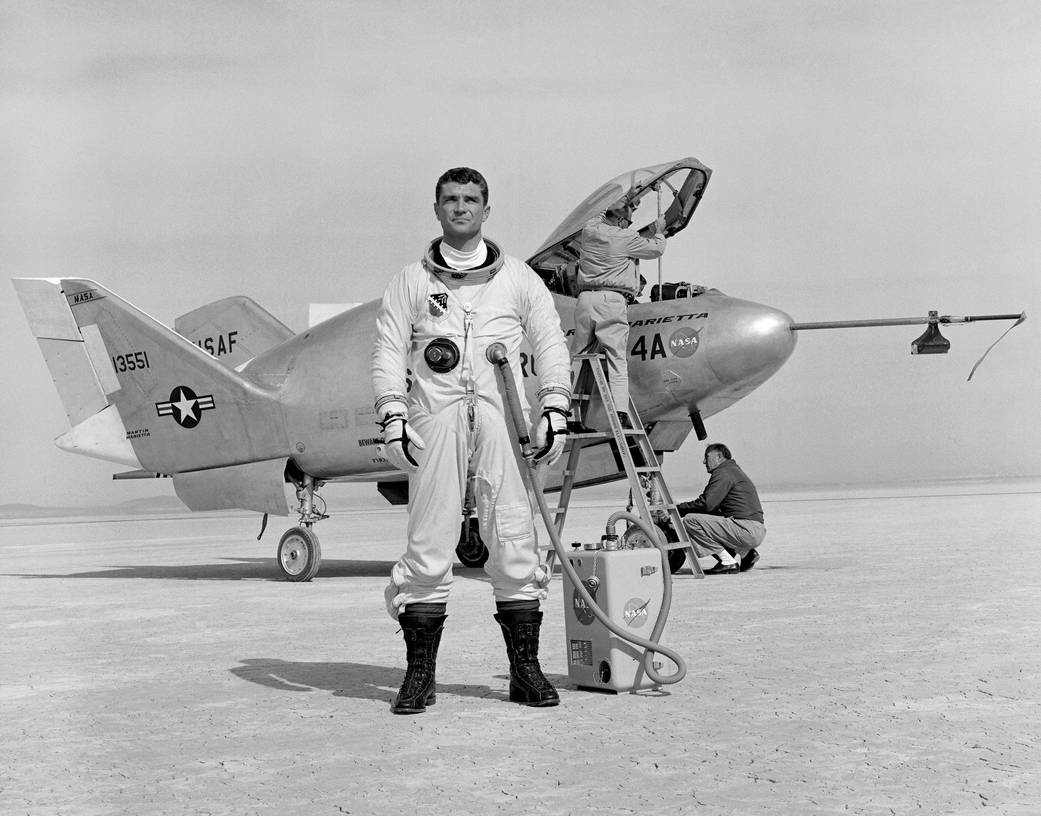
(64,351)
(234,330)
(180,409)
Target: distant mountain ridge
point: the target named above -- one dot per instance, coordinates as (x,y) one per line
(149,504)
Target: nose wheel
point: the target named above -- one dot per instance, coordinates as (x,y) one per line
(299,554)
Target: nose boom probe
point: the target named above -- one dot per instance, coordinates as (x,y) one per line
(496,355)
(931,342)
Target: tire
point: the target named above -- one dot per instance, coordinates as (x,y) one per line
(677,557)
(299,554)
(470,550)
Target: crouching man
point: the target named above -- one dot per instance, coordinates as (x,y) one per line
(726,520)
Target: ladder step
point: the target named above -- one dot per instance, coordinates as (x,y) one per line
(630,444)
(607,434)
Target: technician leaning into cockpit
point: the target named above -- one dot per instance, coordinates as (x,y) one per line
(608,281)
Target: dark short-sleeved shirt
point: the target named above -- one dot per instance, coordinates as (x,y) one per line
(729,493)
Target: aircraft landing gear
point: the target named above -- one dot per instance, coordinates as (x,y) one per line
(635,537)
(299,554)
(676,557)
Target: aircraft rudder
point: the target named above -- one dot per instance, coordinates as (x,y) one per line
(52,323)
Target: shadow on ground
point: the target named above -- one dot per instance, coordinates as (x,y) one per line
(266,569)
(233,569)
(361,681)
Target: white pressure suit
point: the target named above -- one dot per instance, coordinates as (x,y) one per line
(460,414)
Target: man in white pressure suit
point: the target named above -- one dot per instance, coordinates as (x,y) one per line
(441,410)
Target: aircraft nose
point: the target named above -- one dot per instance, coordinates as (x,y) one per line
(747,342)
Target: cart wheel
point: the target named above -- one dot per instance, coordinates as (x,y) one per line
(470,550)
(299,554)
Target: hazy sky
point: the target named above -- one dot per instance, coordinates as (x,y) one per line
(871,159)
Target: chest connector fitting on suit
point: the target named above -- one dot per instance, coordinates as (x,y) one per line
(441,355)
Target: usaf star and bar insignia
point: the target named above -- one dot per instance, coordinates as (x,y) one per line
(185,406)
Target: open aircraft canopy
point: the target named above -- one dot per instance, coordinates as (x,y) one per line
(682,183)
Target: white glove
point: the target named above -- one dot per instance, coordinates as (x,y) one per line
(399,442)
(393,599)
(549,435)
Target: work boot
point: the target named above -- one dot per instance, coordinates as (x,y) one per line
(422,634)
(528,685)
(748,559)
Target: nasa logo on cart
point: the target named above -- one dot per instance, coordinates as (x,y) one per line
(583,612)
(635,612)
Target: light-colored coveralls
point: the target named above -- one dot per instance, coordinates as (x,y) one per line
(461,416)
(608,280)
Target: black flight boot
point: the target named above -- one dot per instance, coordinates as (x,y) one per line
(520,630)
(422,632)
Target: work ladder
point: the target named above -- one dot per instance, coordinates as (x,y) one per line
(646,480)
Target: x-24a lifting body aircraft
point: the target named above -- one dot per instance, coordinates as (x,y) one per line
(241,412)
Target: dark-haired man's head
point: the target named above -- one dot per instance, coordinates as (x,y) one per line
(462,207)
(461,175)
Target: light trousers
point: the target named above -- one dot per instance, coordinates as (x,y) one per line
(602,323)
(455,448)
(711,535)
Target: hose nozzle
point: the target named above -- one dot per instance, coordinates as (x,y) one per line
(496,354)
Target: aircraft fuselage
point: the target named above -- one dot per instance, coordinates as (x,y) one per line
(690,354)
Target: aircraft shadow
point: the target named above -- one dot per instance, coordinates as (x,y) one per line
(361,681)
(264,569)
(234,569)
